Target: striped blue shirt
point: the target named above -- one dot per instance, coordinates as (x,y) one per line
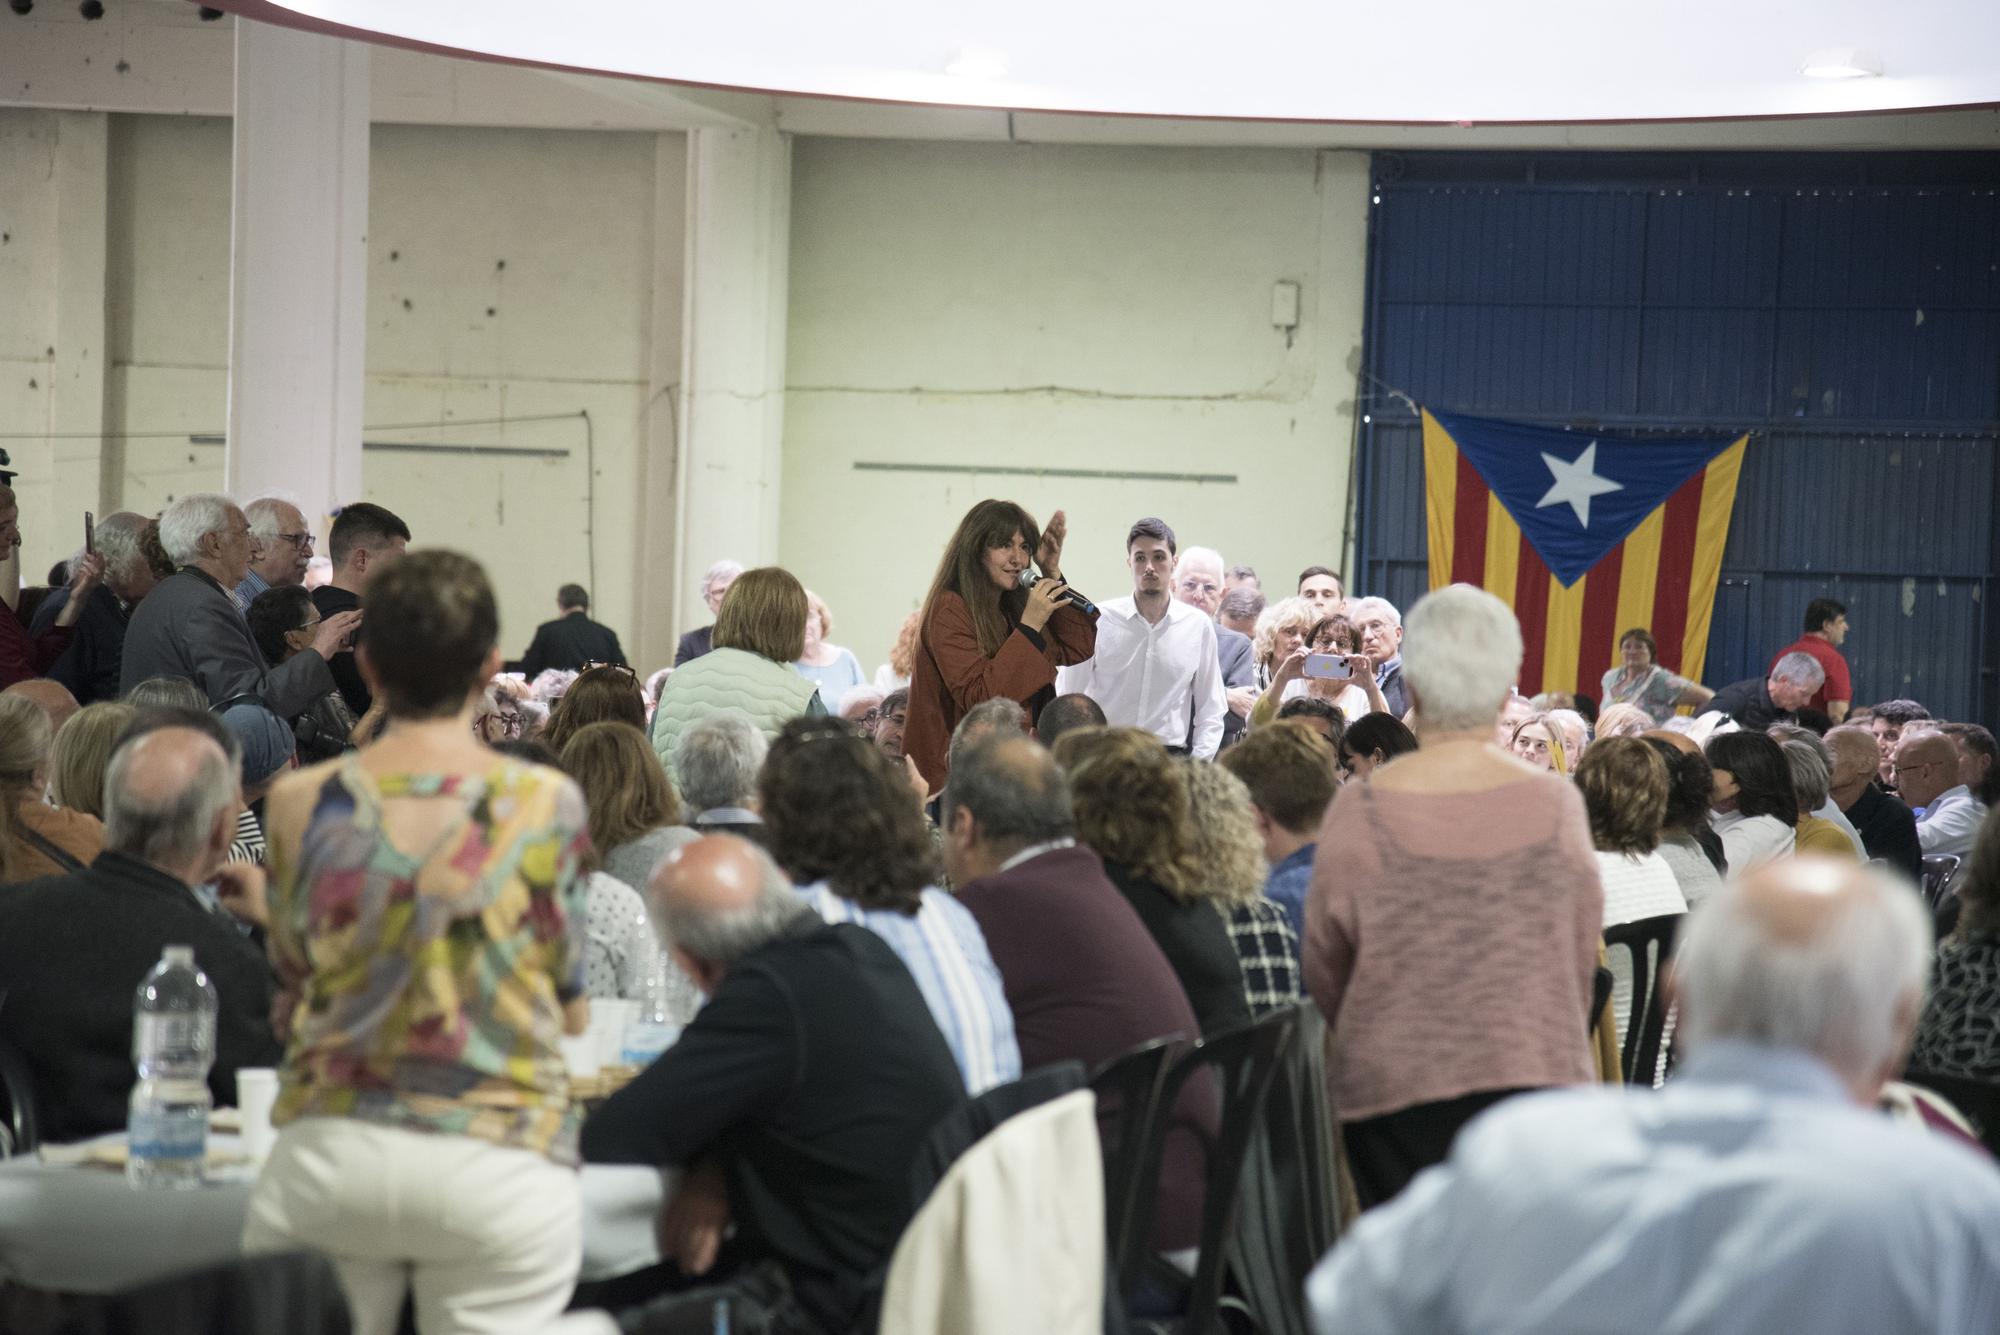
(946,953)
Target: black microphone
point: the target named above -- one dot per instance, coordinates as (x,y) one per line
(1031,577)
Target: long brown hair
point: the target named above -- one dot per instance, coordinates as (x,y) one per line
(624,786)
(603,694)
(986,525)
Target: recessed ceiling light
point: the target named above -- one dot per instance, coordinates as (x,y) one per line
(1842,62)
(977,62)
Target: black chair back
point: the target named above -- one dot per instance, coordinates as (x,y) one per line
(20,1131)
(1938,869)
(1243,1063)
(1128,1103)
(1649,942)
(1979,1100)
(1289,1217)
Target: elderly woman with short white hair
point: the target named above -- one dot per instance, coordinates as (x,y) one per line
(1453,943)
(716,761)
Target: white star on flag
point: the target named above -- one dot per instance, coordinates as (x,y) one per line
(1575,483)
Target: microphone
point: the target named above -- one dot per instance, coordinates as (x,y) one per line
(1031,577)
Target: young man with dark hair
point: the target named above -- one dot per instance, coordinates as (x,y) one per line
(1825,629)
(1289,770)
(1156,666)
(365,539)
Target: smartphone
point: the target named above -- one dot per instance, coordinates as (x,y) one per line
(1328,667)
(89,532)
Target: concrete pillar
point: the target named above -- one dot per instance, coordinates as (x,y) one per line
(77,370)
(732,355)
(657,526)
(298,267)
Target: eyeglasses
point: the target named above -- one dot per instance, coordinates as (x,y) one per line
(302,541)
(310,625)
(1894,768)
(1199,586)
(625,668)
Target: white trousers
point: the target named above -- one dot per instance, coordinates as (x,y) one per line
(485,1238)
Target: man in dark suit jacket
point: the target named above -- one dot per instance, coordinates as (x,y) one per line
(795,1096)
(74,948)
(713,585)
(1084,977)
(572,639)
(1888,829)
(190,625)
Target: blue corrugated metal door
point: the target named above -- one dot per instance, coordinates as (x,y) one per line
(1846,308)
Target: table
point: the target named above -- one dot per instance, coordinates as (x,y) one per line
(76,1228)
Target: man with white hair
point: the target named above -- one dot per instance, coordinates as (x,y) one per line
(191,627)
(714,584)
(1381,627)
(281,544)
(1759,1191)
(90,666)
(716,760)
(1755,703)
(1199,582)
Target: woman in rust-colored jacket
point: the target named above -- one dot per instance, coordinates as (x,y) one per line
(983,636)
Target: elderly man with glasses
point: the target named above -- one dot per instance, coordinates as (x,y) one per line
(281,546)
(1925,772)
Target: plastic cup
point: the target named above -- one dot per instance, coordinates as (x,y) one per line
(256,1092)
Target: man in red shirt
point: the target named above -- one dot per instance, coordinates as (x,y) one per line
(1826,627)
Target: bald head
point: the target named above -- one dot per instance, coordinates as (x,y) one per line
(1926,765)
(1856,758)
(718,899)
(170,799)
(51,697)
(1816,955)
(1680,741)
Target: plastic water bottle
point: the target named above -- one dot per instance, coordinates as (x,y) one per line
(654,1031)
(173,1045)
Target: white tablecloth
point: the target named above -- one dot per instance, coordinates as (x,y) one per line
(80,1229)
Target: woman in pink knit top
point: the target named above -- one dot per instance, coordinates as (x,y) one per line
(1452,941)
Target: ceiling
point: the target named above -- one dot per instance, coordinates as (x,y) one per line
(1436,62)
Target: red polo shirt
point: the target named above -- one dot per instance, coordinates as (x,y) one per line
(1837,686)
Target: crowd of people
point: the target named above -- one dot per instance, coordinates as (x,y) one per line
(1045,830)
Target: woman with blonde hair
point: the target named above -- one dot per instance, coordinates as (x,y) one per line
(1229,852)
(1133,809)
(36,839)
(1622,720)
(894,675)
(1539,741)
(984,635)
(836,671)
(760,631)
(82,754)
(635,814)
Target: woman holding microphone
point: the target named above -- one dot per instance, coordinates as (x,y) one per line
(983,635)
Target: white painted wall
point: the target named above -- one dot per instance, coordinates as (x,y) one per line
(511,276)
(1064,307)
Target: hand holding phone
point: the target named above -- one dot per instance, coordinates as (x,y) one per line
(1328,667)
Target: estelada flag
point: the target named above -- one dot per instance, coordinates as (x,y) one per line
(1585,537)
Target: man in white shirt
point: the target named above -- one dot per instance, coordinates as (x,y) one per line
(1156,666)
(1926,774)
(1761,1190)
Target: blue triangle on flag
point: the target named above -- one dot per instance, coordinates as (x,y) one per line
(1576,495)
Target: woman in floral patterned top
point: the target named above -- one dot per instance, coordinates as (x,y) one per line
(427,923)
(1641,681)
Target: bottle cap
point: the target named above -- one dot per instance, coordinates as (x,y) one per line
(178,955)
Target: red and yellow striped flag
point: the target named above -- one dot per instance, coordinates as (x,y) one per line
(1660,512)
